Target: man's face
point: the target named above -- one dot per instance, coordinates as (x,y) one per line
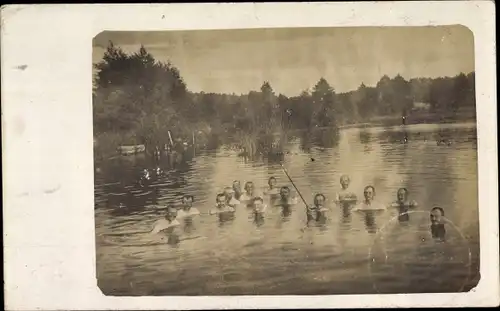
(272,182)
(284,193)
(249,187)
(221,201)
(187,201)
(344,182)
(228,193)
(258,204)
(401,195)
(320,200)
(436,217)
(171,214)
(236,186)
(369,193)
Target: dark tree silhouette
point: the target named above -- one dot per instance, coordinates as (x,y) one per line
(137,100)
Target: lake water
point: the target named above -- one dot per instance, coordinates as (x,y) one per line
(354,253)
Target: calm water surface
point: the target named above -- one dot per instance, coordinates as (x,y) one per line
(354,253)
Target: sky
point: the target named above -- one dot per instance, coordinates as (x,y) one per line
(294,59)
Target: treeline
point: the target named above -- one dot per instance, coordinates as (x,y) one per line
(137,100)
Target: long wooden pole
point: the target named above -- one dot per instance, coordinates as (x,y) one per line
(170,136)
(286,173)
(194,146)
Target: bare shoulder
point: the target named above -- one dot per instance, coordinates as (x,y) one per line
(195,211)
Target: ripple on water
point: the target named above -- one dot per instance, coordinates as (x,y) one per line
(280,258)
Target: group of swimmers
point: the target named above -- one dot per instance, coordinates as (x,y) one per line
(228,201)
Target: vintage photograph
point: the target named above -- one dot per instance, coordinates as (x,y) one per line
(285,161)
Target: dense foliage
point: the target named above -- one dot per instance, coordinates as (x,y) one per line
(137,99)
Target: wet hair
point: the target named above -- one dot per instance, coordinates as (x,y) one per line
(369,186)
(188,196)
(218,196)
(320,195)
(170,208)
(405,190)
(258,199)
(437,208)
(285,188)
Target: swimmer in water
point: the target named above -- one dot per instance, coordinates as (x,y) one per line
(230,199)
(187,213)
(237,189)
(317,212)
(438,230)
(222,209)
(402,199)
(187,209)
(403,204)
(345,196)
(221,205)
(259,209)
(286,197)
(272,189)
(286,201)
(258,206)
(249,193)
(158,171)
(369,204)
(169,223)
(145,178)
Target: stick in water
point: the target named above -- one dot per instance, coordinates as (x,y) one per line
(170,136)
(286,173)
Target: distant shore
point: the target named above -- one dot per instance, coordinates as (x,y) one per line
(384,121)
(415,118)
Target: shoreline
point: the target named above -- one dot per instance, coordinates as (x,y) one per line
(377,122)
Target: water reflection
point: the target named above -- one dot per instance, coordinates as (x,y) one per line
(267,252)
(365,136)
(346,212)
(392,135)
(369,218)
(258,219)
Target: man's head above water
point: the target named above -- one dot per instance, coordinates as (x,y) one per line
(258,203)
(369,193)
(187,200)
(236,185)
(436,215)
(272,182)
(171,213)
(402,195)
(345,181)
(220,200)
(285,192)
(319,200)
(228,192)
(249,187)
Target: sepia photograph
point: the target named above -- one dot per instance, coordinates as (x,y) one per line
(285,161)
(249,155)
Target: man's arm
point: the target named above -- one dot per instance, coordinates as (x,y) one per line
(156,229)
